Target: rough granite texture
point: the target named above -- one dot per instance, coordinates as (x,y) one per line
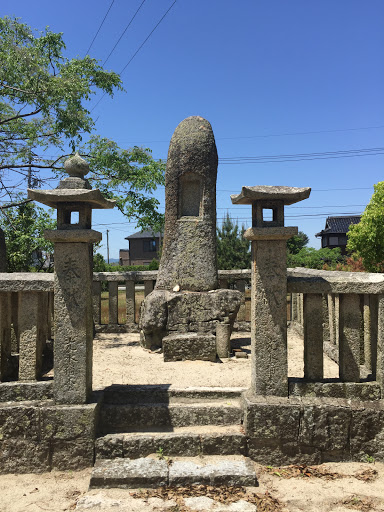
(189,246)
(313,430)
(191,346)
(126,473)
(40,436)
(165,312)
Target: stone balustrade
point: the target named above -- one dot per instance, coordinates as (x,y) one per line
(26,310)
(340,313)
(147,279)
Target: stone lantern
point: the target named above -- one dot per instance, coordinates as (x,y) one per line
(74,200)
(269,283)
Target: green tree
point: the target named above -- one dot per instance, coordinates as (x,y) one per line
(24,226)
(232,249)
(321,259)
(297,242)
(43,110)
(366,239)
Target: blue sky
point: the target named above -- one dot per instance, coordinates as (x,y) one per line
(273,77)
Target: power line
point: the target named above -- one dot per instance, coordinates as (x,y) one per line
(272,134)
(101,24)
(124,31)
(139,48)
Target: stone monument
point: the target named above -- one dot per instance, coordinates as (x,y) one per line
(74,200)
(269,283)
(182,313)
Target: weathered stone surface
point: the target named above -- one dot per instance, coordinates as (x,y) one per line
(110,447)
(74,454)
(5,336)
(225,444)
(288,195)
(171,444)
(189,247)
(363,391)
(166,312)
(126,418)
(68,422)
(269,318)
(191,346)
(19,421)
(126,473)
(225,472)
(74,323)
(21,455)
(21,281)
(24,391)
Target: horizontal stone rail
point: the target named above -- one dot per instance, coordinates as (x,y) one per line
(130,279)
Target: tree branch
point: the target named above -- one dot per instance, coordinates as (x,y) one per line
(20,116)
(15,204)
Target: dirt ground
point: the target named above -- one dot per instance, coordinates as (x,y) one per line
(332,487)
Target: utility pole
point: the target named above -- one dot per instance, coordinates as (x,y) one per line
(108,246)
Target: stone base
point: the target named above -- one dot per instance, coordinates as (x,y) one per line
(294,430)
(40,436)
(191,346)
(166,313)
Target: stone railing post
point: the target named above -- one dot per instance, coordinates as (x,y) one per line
(313,336)
(269,284)
(32,330)
(349,337)
(74,200)
(113,289)
(130,301)
(5,334)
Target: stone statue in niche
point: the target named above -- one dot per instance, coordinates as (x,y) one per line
(182,312)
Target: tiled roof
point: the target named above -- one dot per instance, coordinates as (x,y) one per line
(338,224)
(143,234)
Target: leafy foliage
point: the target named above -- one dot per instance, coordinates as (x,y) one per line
(43,110)
(297,242)
(367,238)
(24,226)
(321,259)
(232,249)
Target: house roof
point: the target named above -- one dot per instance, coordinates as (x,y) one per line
(143,234)
(339,224)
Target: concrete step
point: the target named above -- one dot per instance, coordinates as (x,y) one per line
(149,472)
(120,418)
(134,394)
(184,441)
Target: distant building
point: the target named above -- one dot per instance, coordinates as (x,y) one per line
(144,246)
(335,232)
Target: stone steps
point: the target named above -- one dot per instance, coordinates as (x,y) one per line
(134,394)
(149,472)
(185,441)
(120,418)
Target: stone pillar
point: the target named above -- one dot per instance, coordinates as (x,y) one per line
(96,299)
(380,343)
(240,285)
(223,339)
(313,336)
(113,289)
(148,287)
(223,284)
(15,336)
(294,307)
(349,337)
(31,331)
(73,241)
(269,285)
(5,334)
(374,304)
(130,301)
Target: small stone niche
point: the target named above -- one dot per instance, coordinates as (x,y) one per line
(190,190)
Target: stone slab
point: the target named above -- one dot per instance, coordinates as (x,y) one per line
(189,346)
(224,472)
(350,390)
(127,474)
(23,391)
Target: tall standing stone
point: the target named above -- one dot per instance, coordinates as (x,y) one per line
(182,313)
(189,245)
(73,239)
(269,284)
